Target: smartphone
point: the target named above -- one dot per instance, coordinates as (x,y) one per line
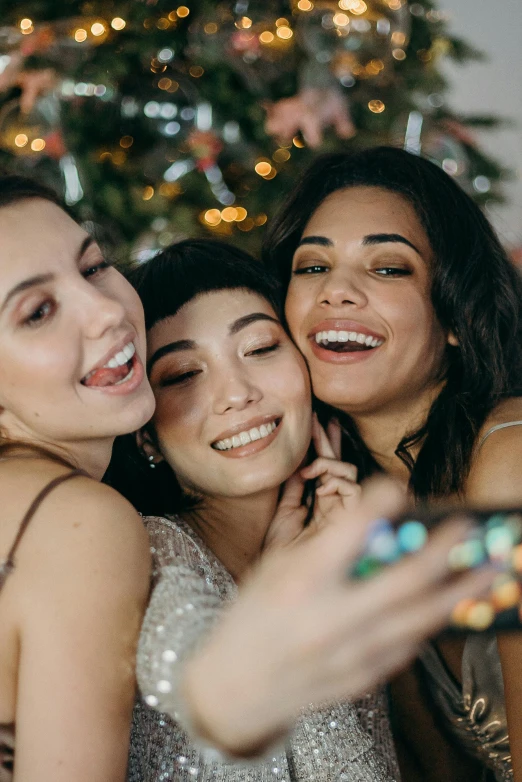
(495,538)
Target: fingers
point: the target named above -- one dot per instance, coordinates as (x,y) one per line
(338,486)
(322,444)
(292,493)
(335,433)
(332,549)
(330,467)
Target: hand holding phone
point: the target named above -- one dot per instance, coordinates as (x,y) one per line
(495,539)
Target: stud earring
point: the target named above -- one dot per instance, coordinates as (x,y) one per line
(151,462)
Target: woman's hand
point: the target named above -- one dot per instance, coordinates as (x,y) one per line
(302,632)
(337,490)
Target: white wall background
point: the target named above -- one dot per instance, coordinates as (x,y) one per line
(493,86)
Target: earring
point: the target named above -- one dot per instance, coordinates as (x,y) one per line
(151,462)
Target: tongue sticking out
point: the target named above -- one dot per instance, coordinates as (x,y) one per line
(106,376)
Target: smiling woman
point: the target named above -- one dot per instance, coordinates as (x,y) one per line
(384,247)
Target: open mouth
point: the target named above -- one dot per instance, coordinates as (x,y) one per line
(119,369)
(247,436)
(346,341)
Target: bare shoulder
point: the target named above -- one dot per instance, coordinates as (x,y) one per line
(82,526)
(496,471)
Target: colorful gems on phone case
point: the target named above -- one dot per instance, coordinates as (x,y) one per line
(473,614)
(468,554)
(505,592)
(381,543)
(411,536)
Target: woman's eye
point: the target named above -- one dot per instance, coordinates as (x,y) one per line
(40,314)
(392,271)
(315,268)
(264,350)
(176,380)
(90,271)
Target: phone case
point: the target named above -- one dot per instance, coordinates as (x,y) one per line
(496,537)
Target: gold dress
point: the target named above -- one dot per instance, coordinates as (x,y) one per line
(344,742)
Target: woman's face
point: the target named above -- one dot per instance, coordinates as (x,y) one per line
(71,333)
(359,305)
(233,407)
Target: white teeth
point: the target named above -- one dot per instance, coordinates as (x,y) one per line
(243,438)
(324,337)
(122,357)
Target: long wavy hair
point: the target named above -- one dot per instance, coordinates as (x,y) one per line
(165,284)
(15,190)
(476,294)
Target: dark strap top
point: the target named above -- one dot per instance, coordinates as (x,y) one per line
(7,732)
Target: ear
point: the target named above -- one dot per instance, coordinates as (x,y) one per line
(452,340)
(148,447)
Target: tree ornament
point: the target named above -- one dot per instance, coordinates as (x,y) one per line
(310,112)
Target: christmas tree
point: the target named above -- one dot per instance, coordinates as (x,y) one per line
(157,120)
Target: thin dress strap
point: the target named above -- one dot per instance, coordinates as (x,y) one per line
(8,565)
(495,429)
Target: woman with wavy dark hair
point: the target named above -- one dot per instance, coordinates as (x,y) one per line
(407,310)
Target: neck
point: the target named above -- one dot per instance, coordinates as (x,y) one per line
(91,456)
(382,430)
(235,528)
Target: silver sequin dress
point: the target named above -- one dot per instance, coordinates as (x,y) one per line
(343,743)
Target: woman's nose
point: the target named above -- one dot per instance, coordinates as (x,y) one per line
(236,391)
(341,289)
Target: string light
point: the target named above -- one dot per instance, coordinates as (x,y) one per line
(284,32)
(305,5)
(212,217)
(118,23)
(21,140)
(266,37)
(97,29)
(148,192)
(26,26)
(298,142)
(341,20)
(282,22)
(376,106)
(38,145)
(263,168)
(241,214)
(229,214)
(211,28)
(196,71)
(183,11)
(399,54)
(126,142)
(80,35)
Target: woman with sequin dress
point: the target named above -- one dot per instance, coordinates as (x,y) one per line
(407,311)
(233,421)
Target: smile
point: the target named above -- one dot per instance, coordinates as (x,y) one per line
(245,437)
(346,341)
(117,370)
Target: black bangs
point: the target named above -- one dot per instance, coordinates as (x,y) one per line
(185,270)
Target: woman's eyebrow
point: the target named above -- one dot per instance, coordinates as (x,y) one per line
(246,320)
(172,347)
(323,241)
(384,238)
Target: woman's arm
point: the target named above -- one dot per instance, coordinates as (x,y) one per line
(80,589)
(299,633)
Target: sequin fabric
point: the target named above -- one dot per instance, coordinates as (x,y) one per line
(474,712)
(342,743)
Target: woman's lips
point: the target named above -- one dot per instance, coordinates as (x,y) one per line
(264,435)
(126,386)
